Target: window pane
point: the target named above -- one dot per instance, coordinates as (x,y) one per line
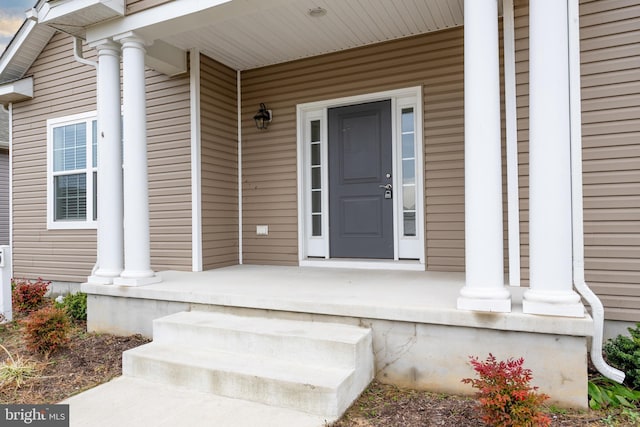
(95,196)
(69,147)
(409,197)
(94,143)
(315,154)
(315,178)
(408,150)
(315,131)
(316,227)
(316,201)
(80,146)
(408,172)
(409,224)
(70,197)
(407,120)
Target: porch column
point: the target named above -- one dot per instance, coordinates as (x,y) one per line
(484,288)
(109,232)
(137,264)
(550,223)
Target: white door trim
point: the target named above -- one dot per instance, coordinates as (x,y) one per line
(318,111)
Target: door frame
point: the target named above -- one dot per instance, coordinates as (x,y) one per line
(314,250)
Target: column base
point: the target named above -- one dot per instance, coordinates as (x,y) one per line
(137,281)
(100,280)
(487,305)
(551,309)
(552,303)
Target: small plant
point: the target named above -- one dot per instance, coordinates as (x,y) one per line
(623,352)
(604,394)
(505,395)
(46,330)
(74,304)
(16,370)
(28,296)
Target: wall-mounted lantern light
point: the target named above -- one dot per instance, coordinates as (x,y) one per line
(263,117)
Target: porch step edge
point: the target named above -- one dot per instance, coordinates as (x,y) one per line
(318,343)
(312,389)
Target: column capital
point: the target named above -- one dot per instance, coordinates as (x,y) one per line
(106,47)
(131,39)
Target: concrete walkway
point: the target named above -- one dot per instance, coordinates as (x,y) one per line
(125,402)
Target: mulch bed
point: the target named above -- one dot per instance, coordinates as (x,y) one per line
(384,405)
(88,360)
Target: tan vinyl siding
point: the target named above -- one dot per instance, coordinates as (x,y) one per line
(522,103)
(134,6)
(63,87)
(4,197)
(610,59)
(610,73)
(219,165)
(433,61)
(169,160)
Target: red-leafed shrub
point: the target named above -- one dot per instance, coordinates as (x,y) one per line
(28,296)
(46,330)
(505,395)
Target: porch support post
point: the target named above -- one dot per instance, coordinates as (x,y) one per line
(137,259)
(109,232)
(484,288)
(550,223)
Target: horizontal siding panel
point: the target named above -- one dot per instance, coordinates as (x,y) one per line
(610,56)
(219,150)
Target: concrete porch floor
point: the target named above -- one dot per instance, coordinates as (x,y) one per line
(409,296)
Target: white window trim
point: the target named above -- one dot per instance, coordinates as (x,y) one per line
(87,117)
(318,110)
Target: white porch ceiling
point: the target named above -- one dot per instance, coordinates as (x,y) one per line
(286,32)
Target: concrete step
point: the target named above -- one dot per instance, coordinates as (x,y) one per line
(317,343)
(316,390)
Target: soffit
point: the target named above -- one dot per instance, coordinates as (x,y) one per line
(286,32)
(24,48)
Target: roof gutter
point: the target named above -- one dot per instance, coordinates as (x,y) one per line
(597,309)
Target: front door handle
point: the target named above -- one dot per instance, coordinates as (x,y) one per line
(386,187)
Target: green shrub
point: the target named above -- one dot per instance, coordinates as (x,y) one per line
(504,393)
(605,393)
(623,352)
(28,296)
(74,304)
(46,330)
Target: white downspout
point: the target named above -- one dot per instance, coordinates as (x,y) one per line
(597,309)
(77,53)
(9,109)
(239,101)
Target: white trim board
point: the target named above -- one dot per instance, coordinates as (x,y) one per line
(196,167)
(307,246)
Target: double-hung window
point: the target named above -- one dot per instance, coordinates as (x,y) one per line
(72,171)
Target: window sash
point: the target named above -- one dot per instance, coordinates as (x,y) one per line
(72,171)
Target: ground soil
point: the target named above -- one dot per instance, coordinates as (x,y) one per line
(91,359)
(88,360)
(384,405)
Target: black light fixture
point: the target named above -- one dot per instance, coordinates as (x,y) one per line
(262,117)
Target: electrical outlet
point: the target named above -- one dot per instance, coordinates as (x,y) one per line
(262,230)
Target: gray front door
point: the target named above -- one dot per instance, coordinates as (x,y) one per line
(360,165)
